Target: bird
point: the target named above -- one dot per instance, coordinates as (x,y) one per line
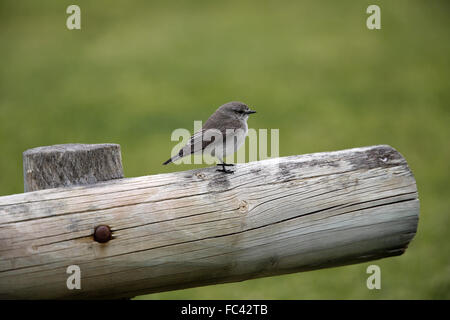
(222,134)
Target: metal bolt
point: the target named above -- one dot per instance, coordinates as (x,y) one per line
(102,234)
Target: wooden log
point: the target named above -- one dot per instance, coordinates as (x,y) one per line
(70,164)
(200,227)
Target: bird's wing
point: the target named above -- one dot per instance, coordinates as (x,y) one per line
(200,140)
(196,144)
(220,123)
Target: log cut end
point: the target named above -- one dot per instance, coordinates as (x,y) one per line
(70,164)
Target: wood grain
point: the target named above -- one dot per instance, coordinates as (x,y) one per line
(200,227)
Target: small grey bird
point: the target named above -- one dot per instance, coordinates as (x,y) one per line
(222,134)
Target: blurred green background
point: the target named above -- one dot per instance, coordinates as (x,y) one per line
(139,69)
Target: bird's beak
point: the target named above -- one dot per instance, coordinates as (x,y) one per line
(250,112)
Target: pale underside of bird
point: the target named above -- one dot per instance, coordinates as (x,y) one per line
(221,135)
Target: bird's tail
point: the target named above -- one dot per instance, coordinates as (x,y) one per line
(174,158)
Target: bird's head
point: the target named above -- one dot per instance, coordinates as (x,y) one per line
(236,109)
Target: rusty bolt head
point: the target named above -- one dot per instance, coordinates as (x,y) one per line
(102,234)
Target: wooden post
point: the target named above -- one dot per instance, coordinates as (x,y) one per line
(70,164)
(200,227)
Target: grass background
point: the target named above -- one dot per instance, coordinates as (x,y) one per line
(139,69)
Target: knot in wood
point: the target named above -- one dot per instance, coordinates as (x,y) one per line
(200,175)
(243,206)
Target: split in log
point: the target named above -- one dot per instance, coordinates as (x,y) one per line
(200,227)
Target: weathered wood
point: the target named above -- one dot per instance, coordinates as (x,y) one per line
(70,164)
(200,227)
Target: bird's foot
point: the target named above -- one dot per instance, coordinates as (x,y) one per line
(225,170)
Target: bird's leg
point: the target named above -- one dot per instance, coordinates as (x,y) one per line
(223,168)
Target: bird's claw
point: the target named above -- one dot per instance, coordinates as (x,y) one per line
(225,171)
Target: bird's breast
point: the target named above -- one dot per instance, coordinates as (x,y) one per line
(236,140)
